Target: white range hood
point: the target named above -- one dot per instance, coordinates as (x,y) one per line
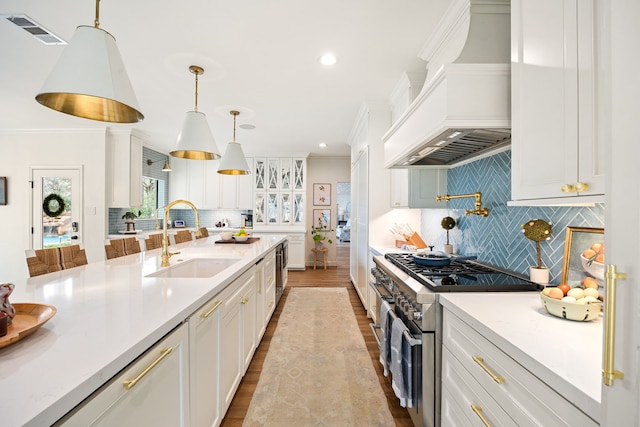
(464,107)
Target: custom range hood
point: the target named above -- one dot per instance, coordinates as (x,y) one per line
(464,108)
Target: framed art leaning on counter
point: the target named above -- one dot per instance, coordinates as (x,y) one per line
(583,256)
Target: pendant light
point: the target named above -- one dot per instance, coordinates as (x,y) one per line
(90,81)
(195,141)
(233,162)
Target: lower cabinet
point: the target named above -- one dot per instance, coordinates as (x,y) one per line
(481,384)
(153,390)
(296,251)
(205,327)
(266,293)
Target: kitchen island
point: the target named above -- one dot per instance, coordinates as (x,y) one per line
(108,314)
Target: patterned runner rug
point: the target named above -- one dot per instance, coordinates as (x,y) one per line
(317,371)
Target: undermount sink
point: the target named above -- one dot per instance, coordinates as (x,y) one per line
(196,268)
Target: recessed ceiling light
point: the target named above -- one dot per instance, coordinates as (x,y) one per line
(328,59)
(323,145)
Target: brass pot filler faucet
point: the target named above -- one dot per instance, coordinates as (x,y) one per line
(479,210)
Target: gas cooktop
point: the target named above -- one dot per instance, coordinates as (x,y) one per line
(461,276)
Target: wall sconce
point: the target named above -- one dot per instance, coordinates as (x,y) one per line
(165,168)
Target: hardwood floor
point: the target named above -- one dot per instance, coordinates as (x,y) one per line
(331,277)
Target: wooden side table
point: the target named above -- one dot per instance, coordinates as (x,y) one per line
(320,253)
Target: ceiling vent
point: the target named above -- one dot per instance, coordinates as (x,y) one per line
(35,29)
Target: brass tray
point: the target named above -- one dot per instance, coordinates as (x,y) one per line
(29,317)
(249,240)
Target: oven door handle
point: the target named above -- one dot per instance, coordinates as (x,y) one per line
(373,327)
(407,335)
(374,286)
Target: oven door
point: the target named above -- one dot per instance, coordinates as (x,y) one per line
(381,294)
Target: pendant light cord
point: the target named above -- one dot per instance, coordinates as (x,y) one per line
(234,127)
(96,22)
(196,109)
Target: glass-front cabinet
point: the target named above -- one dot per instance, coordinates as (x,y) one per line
(279,190)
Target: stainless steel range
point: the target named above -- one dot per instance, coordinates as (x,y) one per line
(409,292)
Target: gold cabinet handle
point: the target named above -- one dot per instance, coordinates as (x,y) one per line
(581,187)
(244,300)
(130,383)
(271,304)
(609,373)
(211,310)
(480,361)
(567,188)
(478,410)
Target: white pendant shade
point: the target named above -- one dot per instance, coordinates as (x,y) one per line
(233,162)
(195,140)
(90,81)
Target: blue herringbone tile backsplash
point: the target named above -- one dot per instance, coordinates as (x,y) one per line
(498,239)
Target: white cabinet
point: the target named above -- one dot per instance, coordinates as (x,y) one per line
(479,379)
(238,337)
(265,293)
(557,154)
(204,363)
(418,187)
(279,190)
(124,170)
(296,252)
(399,188)
(153,390)
(199,182)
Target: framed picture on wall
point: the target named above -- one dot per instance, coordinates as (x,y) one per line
(322,194)
(3,190)
(322,219)
(583,257)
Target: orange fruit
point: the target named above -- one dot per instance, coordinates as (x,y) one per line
(601,250)
(589,282)
(556,293)
(589,253)
(564,288)
(596,247)
(600,258)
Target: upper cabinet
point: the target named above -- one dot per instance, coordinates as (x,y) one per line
(418,187)
(124,170)
(199,182)
(279,187)
(557,155)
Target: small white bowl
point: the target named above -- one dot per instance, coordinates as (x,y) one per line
(595,269)
(226,235)
(241,238)
(571,311)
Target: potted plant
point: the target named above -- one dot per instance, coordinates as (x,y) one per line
(129,218)
(448,223)
(318,233)
(538,230)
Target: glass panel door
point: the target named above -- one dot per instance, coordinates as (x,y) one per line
(57,208)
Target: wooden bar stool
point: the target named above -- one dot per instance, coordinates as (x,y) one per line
(322,252)
(182,236)
(154,241)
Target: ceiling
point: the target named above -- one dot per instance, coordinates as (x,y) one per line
(260,58)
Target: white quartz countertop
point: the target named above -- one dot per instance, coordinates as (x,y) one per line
(564,354)
(108,313)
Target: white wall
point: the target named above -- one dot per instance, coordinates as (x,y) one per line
(21,151)
(325,170)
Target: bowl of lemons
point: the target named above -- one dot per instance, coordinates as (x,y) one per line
(241,236)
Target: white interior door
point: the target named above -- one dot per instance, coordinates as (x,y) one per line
(56,207)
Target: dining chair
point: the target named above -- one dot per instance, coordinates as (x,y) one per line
(42,261)
(153,241)
(203,233)
(72,256)
(183,236)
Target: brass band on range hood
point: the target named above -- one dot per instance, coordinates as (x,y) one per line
(609,373)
